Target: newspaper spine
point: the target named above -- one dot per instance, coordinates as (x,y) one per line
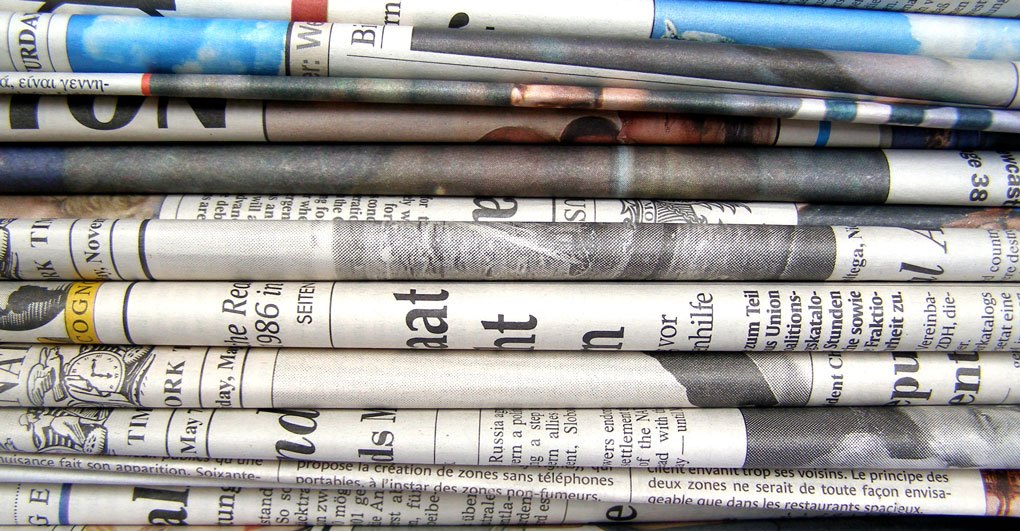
(100,249)
(793,26)
(798,492)
(508,316)
(75,503)
(59,376)
(639,438)
(85,43)
(432,208)
(30,118)
(965,178)
(999,8)
(455,92)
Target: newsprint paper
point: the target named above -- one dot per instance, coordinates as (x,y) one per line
(866,437)
(242,377)
(200,87)
(794,492)
(86,43)
(847,523)
(67,119)
(786,27)
(120,249)
(704,173)
(76,503)
(518,316)
(444,208)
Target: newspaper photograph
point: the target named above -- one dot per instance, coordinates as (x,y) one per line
(790,26)
(456,92)
(999,8)
(702,173)
(134,119)
(123,249)
(75,504)
(444,208)
(915,217)
(796,492)
(91,44)
(849,437)
(651,316)
(236,377)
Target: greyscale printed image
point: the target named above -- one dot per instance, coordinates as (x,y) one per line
(902,437)
(501,251)
(701,173)
(736,379)
(30,307)
(107,374)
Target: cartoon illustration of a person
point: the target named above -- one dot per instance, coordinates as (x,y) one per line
(63,430)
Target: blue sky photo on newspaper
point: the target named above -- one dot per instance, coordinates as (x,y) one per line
(176,45)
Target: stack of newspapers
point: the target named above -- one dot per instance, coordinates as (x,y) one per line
(451,262)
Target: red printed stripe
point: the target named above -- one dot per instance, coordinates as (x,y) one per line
(145,85)
(308,10)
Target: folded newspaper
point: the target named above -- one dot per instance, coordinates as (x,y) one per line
(717,21)
(999,8)
(128,118)
(90,44)
(75,503)
(847,523)
(121,249)
(234,377)
(872,176)
(849,437)
(794,492)
(518,315)
(457,92)
(445,208)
